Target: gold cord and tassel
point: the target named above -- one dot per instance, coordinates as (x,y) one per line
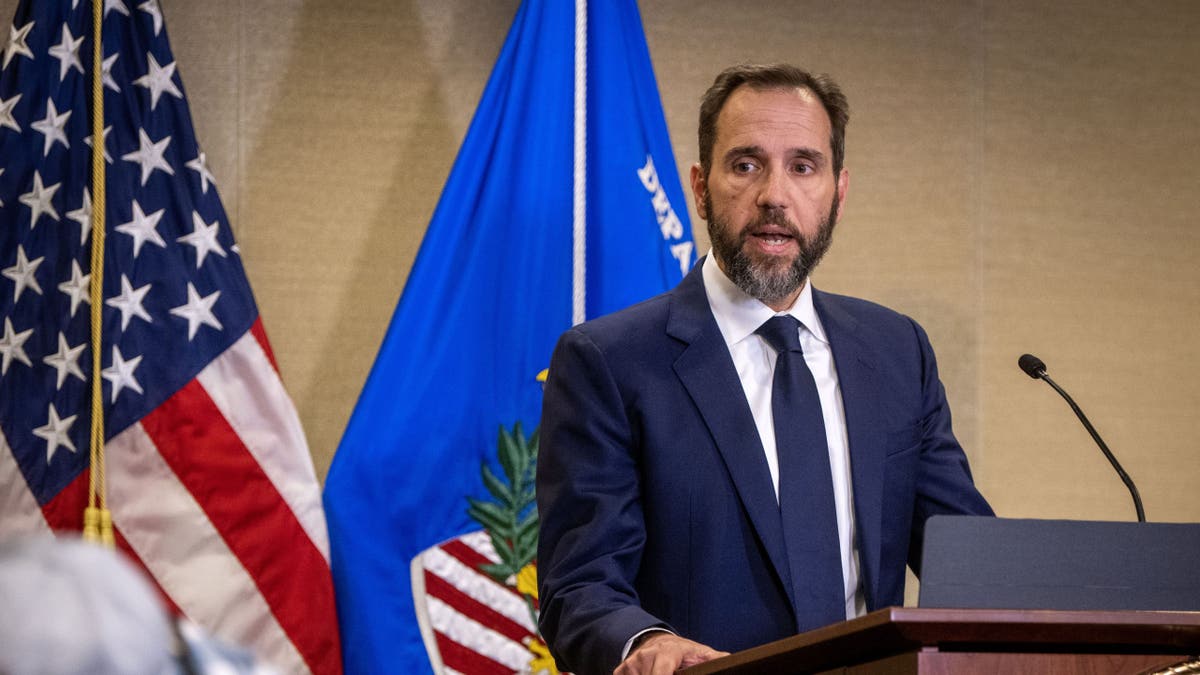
(97,520)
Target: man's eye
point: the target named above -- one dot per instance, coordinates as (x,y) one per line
(803,169)
(743,167)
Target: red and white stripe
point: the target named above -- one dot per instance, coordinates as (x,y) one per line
(470,622)
(20,509)
(214,494)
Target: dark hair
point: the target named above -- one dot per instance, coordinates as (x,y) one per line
(773,76)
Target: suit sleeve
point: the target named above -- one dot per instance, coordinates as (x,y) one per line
(589,502)
(944,484)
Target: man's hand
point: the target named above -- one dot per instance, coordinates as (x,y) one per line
(663,653)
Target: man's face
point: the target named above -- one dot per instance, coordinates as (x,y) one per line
(771,198)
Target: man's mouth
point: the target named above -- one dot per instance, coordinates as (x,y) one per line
(772,237)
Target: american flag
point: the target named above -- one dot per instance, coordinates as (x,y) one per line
(210,482)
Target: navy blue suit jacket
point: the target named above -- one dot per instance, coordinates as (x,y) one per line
(656,504)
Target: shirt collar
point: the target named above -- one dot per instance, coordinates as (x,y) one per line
(738,315)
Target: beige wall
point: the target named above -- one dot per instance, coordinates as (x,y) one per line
(1023,179)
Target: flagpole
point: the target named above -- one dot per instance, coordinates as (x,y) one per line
(579,271)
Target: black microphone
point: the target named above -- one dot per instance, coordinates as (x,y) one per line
(1034,368)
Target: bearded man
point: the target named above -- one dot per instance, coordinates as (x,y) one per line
(744,457)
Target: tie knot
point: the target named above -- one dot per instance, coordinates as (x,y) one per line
(782,333)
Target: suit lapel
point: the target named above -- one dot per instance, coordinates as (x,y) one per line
(859,380)
(706,370)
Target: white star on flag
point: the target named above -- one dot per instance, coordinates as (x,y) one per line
(6,117)
(120,373)
(66,360)
(151,7)
(200,166)
(23,274)
(16,43)
(204,238)
(83,216)
(106,73)
(87,140)
(52,127)
(198,310)
(77,287)
(55,433)
(142,228)
(150,155)
(38,200)
(119,5)
(129,302)
(11,346)
(67,53)
(158,79)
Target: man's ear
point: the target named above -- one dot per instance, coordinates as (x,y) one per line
(699,190)
(843,186)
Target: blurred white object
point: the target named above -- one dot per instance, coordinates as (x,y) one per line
(71,607)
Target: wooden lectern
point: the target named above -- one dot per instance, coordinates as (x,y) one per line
(901,640)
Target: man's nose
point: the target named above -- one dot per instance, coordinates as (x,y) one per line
(772,189)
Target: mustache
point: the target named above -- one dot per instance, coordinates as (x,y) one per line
(772,216)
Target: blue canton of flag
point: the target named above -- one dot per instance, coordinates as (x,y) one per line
(210,481)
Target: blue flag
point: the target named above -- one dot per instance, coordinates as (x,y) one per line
(564,204)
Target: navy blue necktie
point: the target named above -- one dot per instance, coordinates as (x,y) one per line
(805,481)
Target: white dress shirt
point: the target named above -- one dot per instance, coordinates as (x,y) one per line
(738,315)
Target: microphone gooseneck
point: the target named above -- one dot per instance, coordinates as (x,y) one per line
(1035,368)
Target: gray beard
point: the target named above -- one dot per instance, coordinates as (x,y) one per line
(769,280)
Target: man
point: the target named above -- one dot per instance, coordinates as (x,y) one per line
(743,457)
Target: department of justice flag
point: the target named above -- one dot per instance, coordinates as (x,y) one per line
(564,203)
(210,482)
